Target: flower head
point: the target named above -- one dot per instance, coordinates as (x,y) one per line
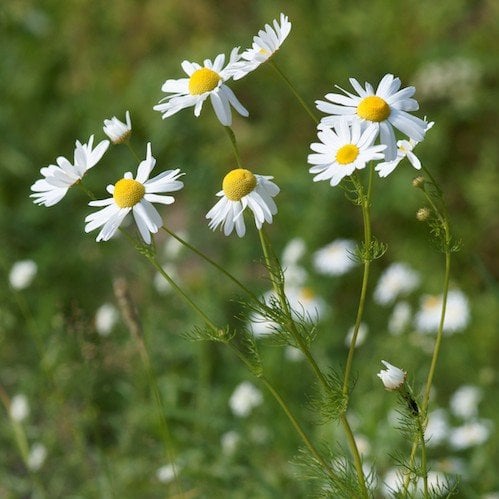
(464,402)
(265,44)
(244,399)
(392,377)
(203,82)
(241,189)
(19,407)
(58,179)
(22,273)
(397,279)
(404,150)
(136,195)
(382,110)
(118,131)
(336,258)
(457,313)
(342,150)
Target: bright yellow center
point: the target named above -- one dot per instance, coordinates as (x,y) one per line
(373,108)
(128,192)
(238,183)
(203,80)
(347,154)
(263,51)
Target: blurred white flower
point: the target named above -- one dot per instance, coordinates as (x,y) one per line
(393,481)
(305,303)
(160,283)
(22,273)
(36,457)
(396,280)
(361,335)
(457,313)
(400,318)
(105,319)
(437,428)
(464,402)
(456,79)
(392,377)
(172,247)
(293,252)
(294,275)
(363,444)
(336,258)
(118,131)
(19,408)
(293,354)
(470,434)
(244,399)
(229,442)
(166,473)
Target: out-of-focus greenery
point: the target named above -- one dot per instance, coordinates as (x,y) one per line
(66,66)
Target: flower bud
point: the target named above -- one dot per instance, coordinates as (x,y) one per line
(423,214)
(392,377)
(418,182)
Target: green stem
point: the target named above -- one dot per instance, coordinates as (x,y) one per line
(295,92)
(366,202)
(131,149)
(232,138)
(271,262)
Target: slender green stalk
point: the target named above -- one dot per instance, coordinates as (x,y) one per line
(132,150)
(232,138)
(366,205)
(295,92)
(271,262)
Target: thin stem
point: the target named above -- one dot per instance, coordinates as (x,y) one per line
(366,203)
(131,149)
(295,92)
(211,262)
(278,284)
(232,138)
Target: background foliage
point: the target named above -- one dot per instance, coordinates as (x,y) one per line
(64,67)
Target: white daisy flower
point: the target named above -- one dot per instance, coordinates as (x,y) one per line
(437,428)
(400,318)
(470,434)
(342,150)
(464,402)
(336,258)
(244,399)
(58,179)
(404,150)
(36,456)
(136,195)
(265,44)
(203,82)
(106,317)
(305,303)
(118,131)
(166,473)
(457,313)
(241,189)
(19,408)
(361,335)
(392,377)
(22,273)
(396,280)
(229,442)
(382,110)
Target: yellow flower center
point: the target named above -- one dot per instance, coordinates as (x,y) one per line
(238,183)
(347,154)
(263,51)
(203,80)
(373,108)
(307,294)
(431,302)
(128,192)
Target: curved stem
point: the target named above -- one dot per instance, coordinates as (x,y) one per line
(295,92)
(366,203)
(232,138)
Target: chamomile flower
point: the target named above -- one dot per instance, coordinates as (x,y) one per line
(136,195)
(118,131)
(342,150)
(397,279)
(404,150)
(265,44)
(58,179)
(241,189)
(392,377)
(336,258)
(382,111)
(203,82)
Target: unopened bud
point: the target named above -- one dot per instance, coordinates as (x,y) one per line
(423,214)
(418,182)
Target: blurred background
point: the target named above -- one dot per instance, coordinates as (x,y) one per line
(85,413)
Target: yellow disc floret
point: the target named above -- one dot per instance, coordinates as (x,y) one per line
(128,192)
(238,183)
(203,80)
(347,154)
(373,108)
